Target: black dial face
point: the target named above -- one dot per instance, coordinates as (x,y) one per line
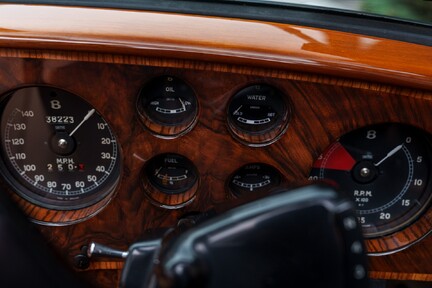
(59,150)
(171,173)
(167,101)
(258,114)
(385,169)
(252,178)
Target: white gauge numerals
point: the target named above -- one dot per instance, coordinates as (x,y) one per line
(60,175)
(386,169)
(58,152)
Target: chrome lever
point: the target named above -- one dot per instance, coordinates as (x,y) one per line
(99,250)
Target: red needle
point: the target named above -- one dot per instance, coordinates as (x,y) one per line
(336,158)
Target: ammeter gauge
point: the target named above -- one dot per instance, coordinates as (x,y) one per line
(252,178)
(167,106)
(258,115)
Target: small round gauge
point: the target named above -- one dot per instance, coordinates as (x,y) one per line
(258,115)
(170,180)
(386,170)
(58,151)
(252,178)
(167,106)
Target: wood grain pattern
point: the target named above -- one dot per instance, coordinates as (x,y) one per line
(168,201)
(323,110)
(58,217)
(227,41)
(402,239)
(376,82)
(400,276)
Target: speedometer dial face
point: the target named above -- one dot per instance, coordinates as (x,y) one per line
(58,149)
(386,170)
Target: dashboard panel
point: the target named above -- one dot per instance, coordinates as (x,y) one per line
(331,90)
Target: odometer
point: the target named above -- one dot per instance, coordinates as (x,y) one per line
(386,170)
(58,152)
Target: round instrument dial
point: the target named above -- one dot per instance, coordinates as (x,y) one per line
(170,180)
(258,115)
(252,178)
(167,106)
(386,170)
(58,151)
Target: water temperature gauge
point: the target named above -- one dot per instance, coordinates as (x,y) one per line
(258,115)
(170,180)
(167,106)
(252,178)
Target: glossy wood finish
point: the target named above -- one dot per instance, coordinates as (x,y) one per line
(212,40)
(316,122)
(83,50)
(164,200)
(401,276)
(56,217)
(401,239)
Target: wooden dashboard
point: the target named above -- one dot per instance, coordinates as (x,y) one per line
(336,82)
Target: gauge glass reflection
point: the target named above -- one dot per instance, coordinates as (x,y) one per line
(386,170)
(167,106)
(258,115)
(58,151)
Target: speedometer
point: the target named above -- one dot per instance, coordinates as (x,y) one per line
(58,152)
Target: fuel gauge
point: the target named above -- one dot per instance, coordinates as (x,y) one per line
(252,178)
(167,106)
(170,180)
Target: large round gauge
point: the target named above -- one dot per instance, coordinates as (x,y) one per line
(258,115)
(58,152)
(167,106)
(170,180)
(385,169)
(252,178)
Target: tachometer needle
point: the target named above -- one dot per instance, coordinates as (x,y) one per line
(86,117)
(391,153)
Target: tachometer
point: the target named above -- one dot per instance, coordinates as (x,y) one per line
(386,170)
(58,151)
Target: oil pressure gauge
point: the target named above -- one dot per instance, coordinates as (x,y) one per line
(252,178)
(258,115)
(167,106)
(170,180)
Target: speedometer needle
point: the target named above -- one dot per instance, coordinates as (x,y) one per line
(391,153)
(86,117)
